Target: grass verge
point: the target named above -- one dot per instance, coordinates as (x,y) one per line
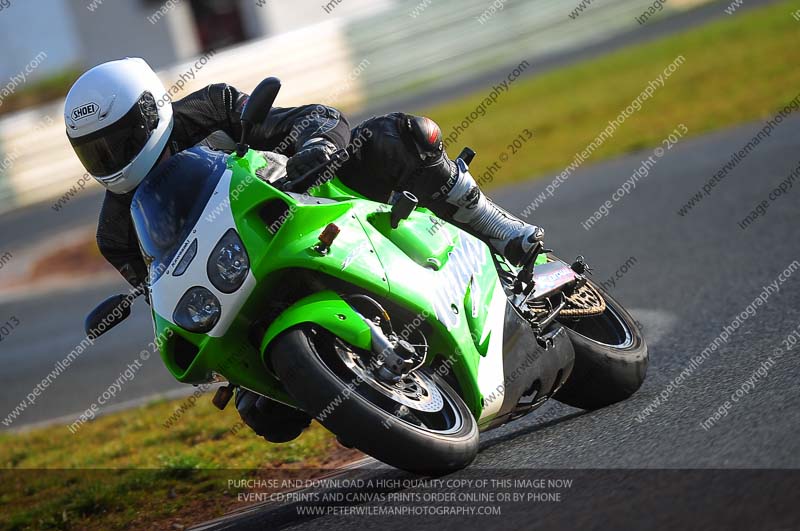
(129,470)
(738,69)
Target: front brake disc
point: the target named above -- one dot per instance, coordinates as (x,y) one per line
(416,391)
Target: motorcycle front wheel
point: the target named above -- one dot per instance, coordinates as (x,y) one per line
(419,424)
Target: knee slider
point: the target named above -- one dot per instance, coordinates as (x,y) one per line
(426,135)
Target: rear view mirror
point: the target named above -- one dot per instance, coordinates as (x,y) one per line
(107,315)
(261,101)
(257,109)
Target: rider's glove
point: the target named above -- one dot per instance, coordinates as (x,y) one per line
(311,155)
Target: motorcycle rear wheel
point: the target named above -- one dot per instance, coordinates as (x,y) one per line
(611,357)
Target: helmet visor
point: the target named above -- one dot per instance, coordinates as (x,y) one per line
(109,150)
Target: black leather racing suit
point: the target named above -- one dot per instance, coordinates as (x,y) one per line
(395,152)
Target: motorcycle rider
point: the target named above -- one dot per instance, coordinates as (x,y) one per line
(121,124)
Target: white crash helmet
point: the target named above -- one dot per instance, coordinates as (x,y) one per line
(115,125)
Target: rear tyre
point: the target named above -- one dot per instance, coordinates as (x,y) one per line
(309,363)
(610,358)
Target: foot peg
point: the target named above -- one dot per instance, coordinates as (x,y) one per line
(222,397)
(580,266)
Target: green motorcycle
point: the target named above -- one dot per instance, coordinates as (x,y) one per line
(401,334)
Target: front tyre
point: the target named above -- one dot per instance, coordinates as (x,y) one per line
(419,424)
(610,357)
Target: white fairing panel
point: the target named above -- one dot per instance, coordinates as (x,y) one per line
(490,368)
(215,221)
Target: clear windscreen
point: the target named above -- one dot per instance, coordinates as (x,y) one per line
(170,201)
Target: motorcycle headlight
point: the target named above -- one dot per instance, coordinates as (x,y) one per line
(228,264)
(198,310)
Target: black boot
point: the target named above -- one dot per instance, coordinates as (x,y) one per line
(276,422)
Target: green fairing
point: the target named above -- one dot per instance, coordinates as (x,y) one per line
(367,255)
(327,310)
(430,251)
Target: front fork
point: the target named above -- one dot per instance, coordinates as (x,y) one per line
(394,356)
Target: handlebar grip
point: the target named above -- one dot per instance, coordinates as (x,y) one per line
(304,183)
